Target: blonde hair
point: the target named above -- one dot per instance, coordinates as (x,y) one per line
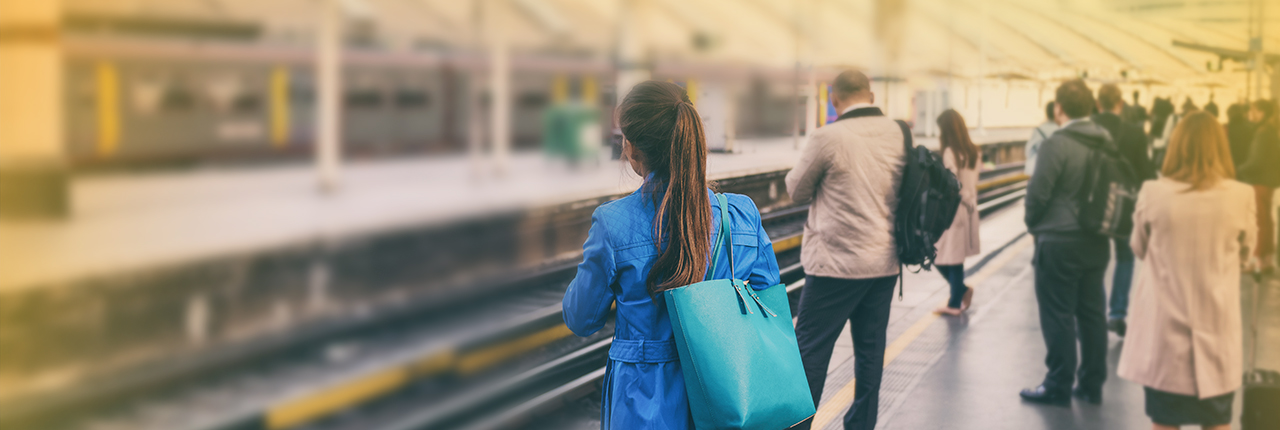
(1198,153)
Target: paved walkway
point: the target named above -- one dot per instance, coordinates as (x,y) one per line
(965,373)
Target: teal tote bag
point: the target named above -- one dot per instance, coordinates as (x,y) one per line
(738,350)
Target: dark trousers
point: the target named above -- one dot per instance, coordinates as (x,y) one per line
(1121,280)
(954,276)
(825,304)
(1072,301)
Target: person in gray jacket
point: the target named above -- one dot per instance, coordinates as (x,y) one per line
(851,170)
(1070,263)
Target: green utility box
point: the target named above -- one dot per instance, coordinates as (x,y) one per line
(572,131)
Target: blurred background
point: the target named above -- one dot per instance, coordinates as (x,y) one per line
(223,214)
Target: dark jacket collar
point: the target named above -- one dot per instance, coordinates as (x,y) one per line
(861,112)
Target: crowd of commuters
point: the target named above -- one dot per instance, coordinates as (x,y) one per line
(1203,203)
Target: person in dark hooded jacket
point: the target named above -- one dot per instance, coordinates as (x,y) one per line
(1262,170)
(1239,133)
(1069,262)
(1132,143)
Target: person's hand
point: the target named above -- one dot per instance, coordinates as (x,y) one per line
(1260,264)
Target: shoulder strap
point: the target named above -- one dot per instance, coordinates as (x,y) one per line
(725,233)
(1040,131)
(906,134)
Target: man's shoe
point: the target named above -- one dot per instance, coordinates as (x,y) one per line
(1042,395)
(1118,326)
(1094,397)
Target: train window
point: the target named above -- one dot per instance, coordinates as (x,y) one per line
(302,95)
(363,99)
(246,103)
(412,99)
(177,98)
(532,100)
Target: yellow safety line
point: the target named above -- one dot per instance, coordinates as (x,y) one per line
(997,183)
(325,402)
(691,88)
(787,244)
(844,397)
(484,358)
(108,109)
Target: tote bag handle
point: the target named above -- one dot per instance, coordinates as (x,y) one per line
(724,233)
(746,294)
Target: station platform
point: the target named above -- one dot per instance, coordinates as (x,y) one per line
(122,223)
(126,223)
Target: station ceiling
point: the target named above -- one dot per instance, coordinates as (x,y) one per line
(1035,40)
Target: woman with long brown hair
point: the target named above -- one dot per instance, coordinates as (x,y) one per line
(1191,228)
(963,158)
(658,238)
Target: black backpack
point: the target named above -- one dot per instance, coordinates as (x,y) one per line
(1109,192)
(927,204)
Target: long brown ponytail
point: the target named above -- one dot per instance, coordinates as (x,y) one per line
(658,120)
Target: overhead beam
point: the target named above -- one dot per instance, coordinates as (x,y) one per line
(1228,53)
(545,15)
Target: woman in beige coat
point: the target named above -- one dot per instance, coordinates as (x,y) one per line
(962,157)
(1191,229)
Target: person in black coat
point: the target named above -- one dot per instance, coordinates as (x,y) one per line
(1239,133)
(1132,143)
(1262,170)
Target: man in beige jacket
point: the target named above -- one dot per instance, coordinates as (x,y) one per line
(850,171)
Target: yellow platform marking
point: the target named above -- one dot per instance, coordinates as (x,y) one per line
(997,183)
(844,397)
(280,107)
(108,109)
(482,359)
(313,406)
(787,244)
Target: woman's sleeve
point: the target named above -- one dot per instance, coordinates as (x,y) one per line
(1141,228)
(765,273)
(586,302)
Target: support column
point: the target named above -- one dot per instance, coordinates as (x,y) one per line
(811,104)
(328,149)
(34,176)
(499,85)
(631,68)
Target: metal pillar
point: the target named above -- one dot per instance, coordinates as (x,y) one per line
(328,150)
(33,170)
(982,69)
(811,104)
(630,68)
(499,85)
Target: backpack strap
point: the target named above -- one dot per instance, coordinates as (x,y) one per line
(907,141)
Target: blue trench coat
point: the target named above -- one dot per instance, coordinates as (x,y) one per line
(643,385)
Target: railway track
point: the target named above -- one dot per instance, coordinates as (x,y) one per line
(507,351)
(1000,187)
